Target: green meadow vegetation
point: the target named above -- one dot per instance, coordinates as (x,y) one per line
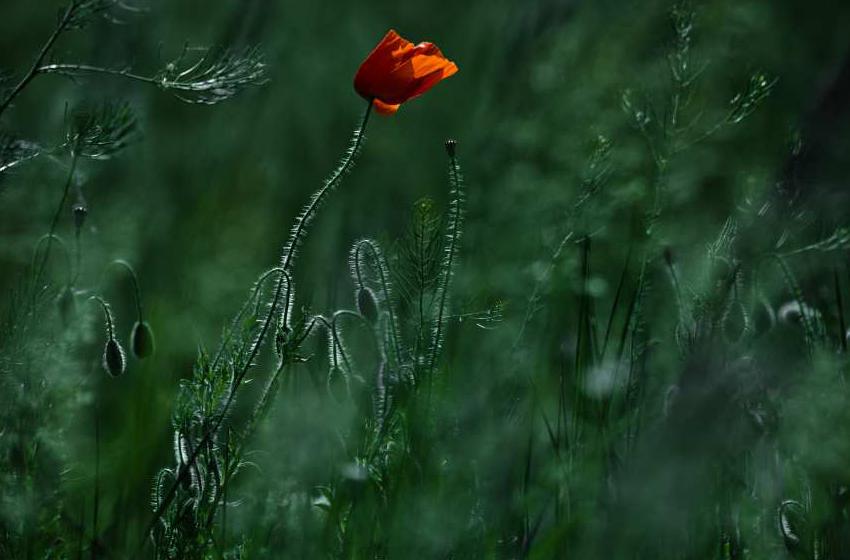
(587,298)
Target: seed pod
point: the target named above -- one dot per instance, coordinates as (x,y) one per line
(367,304)
(337,384)
(141,340)
(67,304)
(114,361)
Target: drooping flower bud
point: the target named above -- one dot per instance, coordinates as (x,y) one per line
(142,340)
(367,304)
(792,312)
(114,360)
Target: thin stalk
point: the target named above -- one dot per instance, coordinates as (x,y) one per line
(56,216)
(135,280)
(110,328)
(239,376)
(44,238)
(839,302)
(96,481)
(70,69)
(309,211)
(45,49)
(255,290)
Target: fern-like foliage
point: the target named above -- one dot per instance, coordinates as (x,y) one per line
(101,132)
(214,77)
(82,13)
(15,151)
(417,266)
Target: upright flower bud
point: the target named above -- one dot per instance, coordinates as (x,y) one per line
(451,147)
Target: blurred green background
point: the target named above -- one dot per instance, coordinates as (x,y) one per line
(204,201)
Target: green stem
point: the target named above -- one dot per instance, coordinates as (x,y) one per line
(454,177)
(56,216)
(380,265)
(34,69)
(135,280)
(287,260)
(72,69)
(310,210)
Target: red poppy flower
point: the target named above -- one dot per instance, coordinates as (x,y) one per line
(397,71)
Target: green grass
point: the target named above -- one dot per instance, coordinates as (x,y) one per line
(618,331)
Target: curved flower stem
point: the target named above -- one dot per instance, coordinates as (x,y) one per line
(56,216)
(135,280)
(380,264)
(238,377)
(110,327)
(64,247)
(255,290)
(316,201)
(286,262)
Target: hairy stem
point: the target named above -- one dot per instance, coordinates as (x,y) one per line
(380,265)
(287,260)
(451,252)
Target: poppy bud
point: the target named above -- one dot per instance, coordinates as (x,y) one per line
(280,339)
(451,145)
(141,340)
(794,526)
(792,313)
(337,384)
(367,305)
(80,211)
(114,361)
(66,303)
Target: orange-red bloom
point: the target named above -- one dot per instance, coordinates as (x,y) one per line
(397,71)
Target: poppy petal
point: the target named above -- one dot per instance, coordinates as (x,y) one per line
(385,108)
(397,70)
